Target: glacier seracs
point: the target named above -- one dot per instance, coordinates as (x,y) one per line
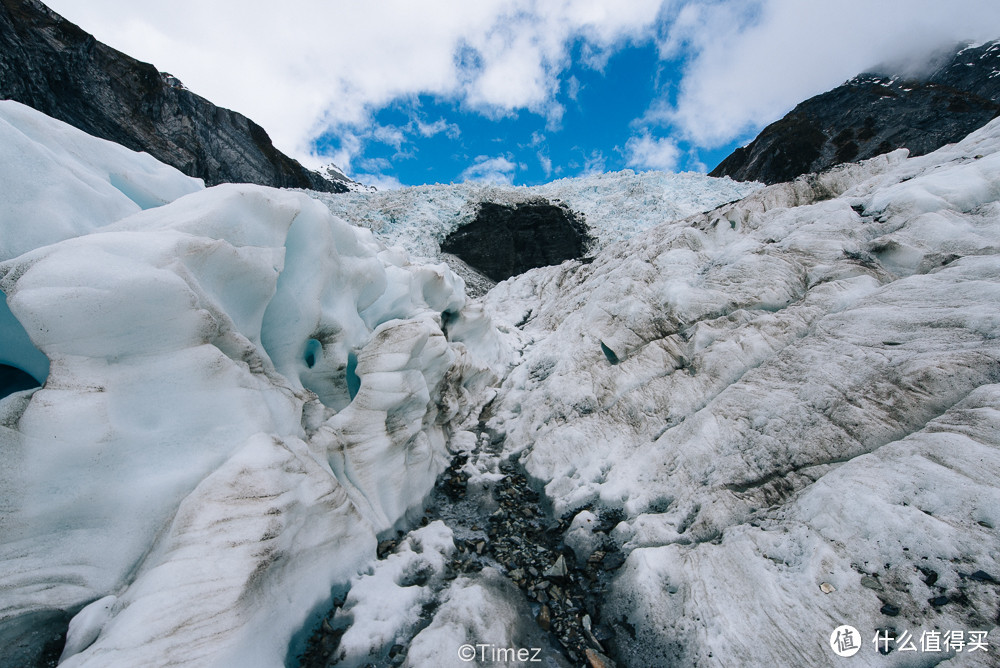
(616,206)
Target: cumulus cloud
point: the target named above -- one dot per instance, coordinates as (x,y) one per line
(303,66)
(647,152)
(499,170)
(750,62)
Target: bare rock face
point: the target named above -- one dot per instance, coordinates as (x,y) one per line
(504,241)
(50,64)
(875,113)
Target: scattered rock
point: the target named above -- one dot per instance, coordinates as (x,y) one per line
(871,583)
(384,548)
(613,561)
(827,588)
(889,610)
(938,601)
(558,569)
(982,576)
(598,660)
(544,618)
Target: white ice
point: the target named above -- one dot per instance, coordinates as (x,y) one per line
(793,390)
(244,391)
(60,182)
(616,206)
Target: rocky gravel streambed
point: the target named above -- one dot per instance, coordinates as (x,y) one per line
(504,525)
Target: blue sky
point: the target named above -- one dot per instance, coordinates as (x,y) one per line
(429,139)
(520,91)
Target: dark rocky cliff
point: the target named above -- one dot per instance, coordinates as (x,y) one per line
(875,113)
(52,65)
(504,241)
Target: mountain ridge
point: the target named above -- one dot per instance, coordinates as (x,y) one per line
(874,113)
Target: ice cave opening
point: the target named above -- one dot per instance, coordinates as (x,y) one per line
(353,380)
(22,365)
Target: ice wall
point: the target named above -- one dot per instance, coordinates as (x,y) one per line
(243,391)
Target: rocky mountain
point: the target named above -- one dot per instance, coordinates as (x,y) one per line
(48,63)
(875,113)
(504,241)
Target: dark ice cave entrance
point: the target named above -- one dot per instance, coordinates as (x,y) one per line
(22,365)
(14,380)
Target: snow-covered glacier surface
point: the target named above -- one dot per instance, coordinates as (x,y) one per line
(243,392)
(792,403)
(744,428)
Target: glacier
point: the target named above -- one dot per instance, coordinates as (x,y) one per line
(616,206)
(792,400)
(778,404)
(199,452)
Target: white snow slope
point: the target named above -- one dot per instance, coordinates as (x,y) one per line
(793,402)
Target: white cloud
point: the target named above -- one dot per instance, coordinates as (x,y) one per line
(572,88)
(303,66)
(647,152)
(594,163)
(499,170)
(451,130)
(309,66)
(374,165)
(546,163)
(388,134)
(753,61)
(380,181)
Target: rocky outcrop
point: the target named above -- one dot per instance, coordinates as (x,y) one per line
(50,64)
(504,241)
(875,113)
